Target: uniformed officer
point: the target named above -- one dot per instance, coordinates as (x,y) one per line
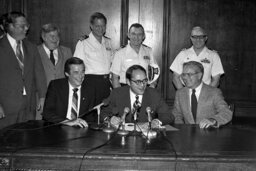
(213,68)
(96,52)
(134,53)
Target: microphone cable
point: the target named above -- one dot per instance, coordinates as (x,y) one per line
(99,146)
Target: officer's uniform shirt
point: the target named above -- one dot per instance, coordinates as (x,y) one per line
(97,56)
(127,56)
(208,58)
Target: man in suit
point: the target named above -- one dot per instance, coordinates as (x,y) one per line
(137,92)
(198,103)
(21,73)
(69,98)
(52,54)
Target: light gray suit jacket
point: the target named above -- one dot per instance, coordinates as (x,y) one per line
(54,72)
(211,104)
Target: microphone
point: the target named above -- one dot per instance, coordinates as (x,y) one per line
(122,131)
(126,111)
(148,111)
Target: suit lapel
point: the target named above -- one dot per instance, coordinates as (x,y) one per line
(64,92)
(12,57)
(202,99)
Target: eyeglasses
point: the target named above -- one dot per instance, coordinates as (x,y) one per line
(139,82)
(22,25)
(198,37)
(188,74)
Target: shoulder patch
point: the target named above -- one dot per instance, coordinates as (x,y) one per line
(83,37)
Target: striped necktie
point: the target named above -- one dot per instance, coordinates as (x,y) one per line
(74,108)
(19,55)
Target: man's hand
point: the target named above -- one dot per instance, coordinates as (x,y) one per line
(155,123)
(2,115)
(207,123)
(40,105)
(77,122)
(115,121)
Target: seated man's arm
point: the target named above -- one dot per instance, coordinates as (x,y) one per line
(223,113)
(50,105)
(176,80)
(215,81)
(76,122)
(115,81)
(177,113)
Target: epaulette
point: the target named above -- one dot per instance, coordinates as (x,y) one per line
(145,46)
(83,37)
(183,49)
(106,37)
(121,47)
(214,51)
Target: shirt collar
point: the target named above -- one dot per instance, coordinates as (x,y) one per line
(12,40)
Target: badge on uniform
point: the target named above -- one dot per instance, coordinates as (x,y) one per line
(146,57)
(108,48)
(153,73)
(205,60)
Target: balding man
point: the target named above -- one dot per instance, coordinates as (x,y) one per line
(210,60)
(198,103)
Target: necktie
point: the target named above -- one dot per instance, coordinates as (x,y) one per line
(19,55)
(136,107)
(193,103)
(74,107)
(52,57)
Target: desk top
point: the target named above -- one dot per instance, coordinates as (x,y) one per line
(188,142)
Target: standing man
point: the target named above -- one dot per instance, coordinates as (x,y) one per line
(21,73)
(197,102)
(96,52)
(135,53)
(138,97)
(198,52)
(2,21)
(52,54)
(69,98)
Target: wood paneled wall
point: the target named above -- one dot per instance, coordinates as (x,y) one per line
(230,26)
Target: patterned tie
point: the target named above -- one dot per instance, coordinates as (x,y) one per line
(19,55)
(193,104)
(136,107)
(52,57)
(74,107)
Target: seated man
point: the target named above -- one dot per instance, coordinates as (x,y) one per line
(138,97)
(198,103)
(70,97)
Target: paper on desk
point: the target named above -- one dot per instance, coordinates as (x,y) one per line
(170,128)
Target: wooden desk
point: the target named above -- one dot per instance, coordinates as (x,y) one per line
(62,148)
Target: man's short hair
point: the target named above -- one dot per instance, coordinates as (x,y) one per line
(130,70)
(136,25)
(97,15)
(11,17)
(198,28)
(47,28)
(196,65)
(72,61)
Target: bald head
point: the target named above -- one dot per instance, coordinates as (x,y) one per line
(198,31)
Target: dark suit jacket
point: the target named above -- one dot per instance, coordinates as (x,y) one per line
(120,98)
(12,80)
(54,72)
(211,104)
(56,102)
